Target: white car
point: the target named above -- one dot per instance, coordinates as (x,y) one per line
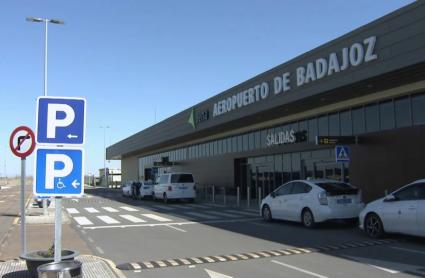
(312,201)
(146,189)
(175,186)
(126,189)
(402,212)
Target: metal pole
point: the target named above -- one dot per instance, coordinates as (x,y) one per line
(45,88)
(23,227)
(206,192)
(58,229)
(104,155)
(213,194)
(259,196)
(45,56)
(248,196)
(238,198)
(224,195)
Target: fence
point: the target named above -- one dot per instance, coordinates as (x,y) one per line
(228,196)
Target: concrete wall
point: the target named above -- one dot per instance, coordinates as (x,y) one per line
(130,168)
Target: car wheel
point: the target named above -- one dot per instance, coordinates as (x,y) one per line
(373,226)
(307,218)
(267,214)
(164,198)
(191,200)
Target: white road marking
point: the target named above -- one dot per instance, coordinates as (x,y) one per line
(384,269)
(161,263)
(223,214)
(173,262)
(213,274)
(156,217)
(107,219)
(129,209)
(132,218)
(242,212)
(90,239)
(299,269)
(99,250)
(201,215)
(72,210)
(197,206)
(83,220)
(91,210)
(162,207)
(135,266)
(2,201)
(407,250)
(109,209)
(174,223)
(175,228)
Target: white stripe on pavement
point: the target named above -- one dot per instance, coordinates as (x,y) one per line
(201,215)
(156,217)
(242,212)
(197,206)
(72,210)
(81,220)
(162,207)
(107,219)
(132,218)
(129,209)
(407,250)
(109,209)
(299,269)
(223,214)
(91,210)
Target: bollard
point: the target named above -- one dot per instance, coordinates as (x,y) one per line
(238,199)
(248,196)
(213,194)
(386,192)
(259,196)
(206,192)
(224,195)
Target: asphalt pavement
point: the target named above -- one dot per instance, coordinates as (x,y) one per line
(151,239)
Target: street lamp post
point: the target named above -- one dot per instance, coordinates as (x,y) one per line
(104,154)
(58,200)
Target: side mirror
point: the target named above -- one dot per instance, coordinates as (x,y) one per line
(390,198)
(273,194)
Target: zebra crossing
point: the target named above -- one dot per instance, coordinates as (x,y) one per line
(127,215)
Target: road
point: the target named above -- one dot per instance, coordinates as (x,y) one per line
(151,239)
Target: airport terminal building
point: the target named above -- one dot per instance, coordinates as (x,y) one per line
(364,90)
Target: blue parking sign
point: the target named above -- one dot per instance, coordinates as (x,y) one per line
(59,172)
(60,120)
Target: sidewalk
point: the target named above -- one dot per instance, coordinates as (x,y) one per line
(40,236)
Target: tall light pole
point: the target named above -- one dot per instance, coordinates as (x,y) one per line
(46,24)
(104,154)
(58,200)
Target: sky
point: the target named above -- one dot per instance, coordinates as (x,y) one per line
(139,62)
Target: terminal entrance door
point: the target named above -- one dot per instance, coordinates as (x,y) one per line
(265,179)
(322,169)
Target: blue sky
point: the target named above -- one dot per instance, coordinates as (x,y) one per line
(130,58)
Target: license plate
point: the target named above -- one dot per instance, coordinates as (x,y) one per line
(343,201)
(183,187)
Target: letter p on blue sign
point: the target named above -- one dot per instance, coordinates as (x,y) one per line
(61,120)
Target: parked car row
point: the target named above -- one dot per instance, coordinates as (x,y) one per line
(170,186)
(315,201)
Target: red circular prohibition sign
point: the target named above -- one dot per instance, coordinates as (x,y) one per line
(29,135)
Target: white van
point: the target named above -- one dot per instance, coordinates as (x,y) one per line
(175,186)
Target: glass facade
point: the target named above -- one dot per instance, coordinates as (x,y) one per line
(271,171)
(394,113)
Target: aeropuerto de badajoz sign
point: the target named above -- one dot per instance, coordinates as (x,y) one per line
(348,57)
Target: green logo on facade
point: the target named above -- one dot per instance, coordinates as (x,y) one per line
(191,120)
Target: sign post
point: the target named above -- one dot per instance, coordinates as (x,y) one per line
(22,150)
(59,167)
(342,155)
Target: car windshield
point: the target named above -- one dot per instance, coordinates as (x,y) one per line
(337,188)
